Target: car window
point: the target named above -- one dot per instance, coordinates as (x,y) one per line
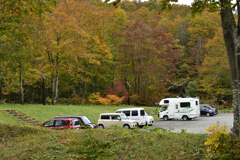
(124,117)
(163,108)
(207,107)
(185,104)
(118,112)
(66,123)
(48,124)
(86,120)
(142,112)
(116,117)
(134,113)
(75,122)
(146,114)
(127,113)
(105,116)
(58,123)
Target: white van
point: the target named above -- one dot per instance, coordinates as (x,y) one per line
(179,108)
(137,114)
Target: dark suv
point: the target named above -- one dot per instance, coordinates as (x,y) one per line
(215,111)
(206,111)
(84,121)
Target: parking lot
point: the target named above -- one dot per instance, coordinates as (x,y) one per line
(196,125)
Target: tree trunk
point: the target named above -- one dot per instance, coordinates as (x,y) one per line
(80,89)
(232,39)
(21,87)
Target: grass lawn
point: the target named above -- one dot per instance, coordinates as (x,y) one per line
(20,141)
(44,112)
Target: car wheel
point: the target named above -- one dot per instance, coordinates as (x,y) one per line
(101,126)
(146,123)
(140,126)
(165,118)
(208,114)
(126,126)
(185,118)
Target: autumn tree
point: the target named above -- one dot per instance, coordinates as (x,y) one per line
(15,30)
(214,74)
(147,57)
(231,34)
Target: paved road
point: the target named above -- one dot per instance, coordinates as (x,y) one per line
(196,125)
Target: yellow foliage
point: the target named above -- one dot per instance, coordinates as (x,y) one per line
(217,141)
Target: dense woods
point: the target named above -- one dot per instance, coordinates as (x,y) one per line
(87,51)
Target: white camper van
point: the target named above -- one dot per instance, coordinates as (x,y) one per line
(179,108)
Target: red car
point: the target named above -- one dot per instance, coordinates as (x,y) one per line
(62,123)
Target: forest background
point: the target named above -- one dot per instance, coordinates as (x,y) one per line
(89,52)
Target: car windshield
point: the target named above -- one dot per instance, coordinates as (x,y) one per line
(207,107)
(86,120)
(124,117)
(163,108)
(146,113)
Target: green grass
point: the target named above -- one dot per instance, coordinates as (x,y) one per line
(44,112)
(20,141)
(26,142)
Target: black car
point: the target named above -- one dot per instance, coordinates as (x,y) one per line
(205,111)
(215,111)
(84,121)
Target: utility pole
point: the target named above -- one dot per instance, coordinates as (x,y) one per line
(128,88)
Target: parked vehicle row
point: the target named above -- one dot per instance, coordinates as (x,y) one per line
(128,118)
(171,108)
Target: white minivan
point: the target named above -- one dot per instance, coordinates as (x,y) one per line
(106,120)
(138,114)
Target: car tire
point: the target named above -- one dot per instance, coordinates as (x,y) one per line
(100,126)
(185,118)
(208,114)
(126,126)
(165,118)
(146,123)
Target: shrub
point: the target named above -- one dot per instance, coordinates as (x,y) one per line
(114,99)
(3,101)
(222,145)
(94,98)
(65,100)
(49,100)
(77,99)
(104,101)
